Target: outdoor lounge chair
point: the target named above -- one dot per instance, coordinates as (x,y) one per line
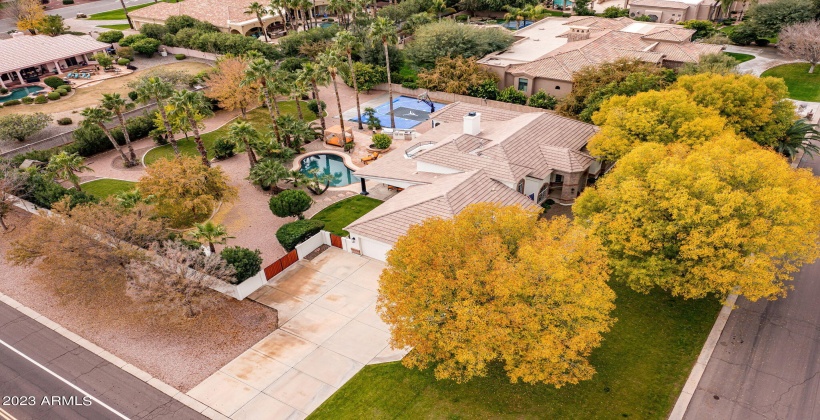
(369,158)
(336,141)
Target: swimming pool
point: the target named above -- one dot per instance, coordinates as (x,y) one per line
(21,93)
(325,163)
(560,3)
(408,111)
(515,26)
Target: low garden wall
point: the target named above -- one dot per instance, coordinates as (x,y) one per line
(189,53)
(452,97)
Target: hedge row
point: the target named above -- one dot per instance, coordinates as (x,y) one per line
(294,233)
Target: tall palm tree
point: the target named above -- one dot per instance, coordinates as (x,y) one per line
(330,62)
(384,30)
(258,10)
(210,233)
(298,90)
(259,71)
(194,106)
(245,132)
(279,6)
(799,137)
(349,43)
(341,8)
(268,173)
(304,6)
(64,166)
(156,89)
(438,7)
(116,104)
(313,75)
(99,116)
(514,13)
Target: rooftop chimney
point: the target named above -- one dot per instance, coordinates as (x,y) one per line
(578,33)
(472,123)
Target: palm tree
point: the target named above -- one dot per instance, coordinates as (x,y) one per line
(341,8)
(280,5)
(533,12)
(514,13)
(304,6)
(330,61)
(210,233)
(268,173)
(116,104)
(258,10)
(313,75)
(99,116)
(349,43)
(258,72)
(298,90)
(156,89)
(799,137)
(438,7)
(193,106)
(245,132)
(64,165)
(384,30)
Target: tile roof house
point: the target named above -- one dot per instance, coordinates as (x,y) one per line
(27,58)
(227,15)
(674,11)
(581,41)
(508,157)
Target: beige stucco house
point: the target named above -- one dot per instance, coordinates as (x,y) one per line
(227,15)
(549,52)
(673,11)
(28,58)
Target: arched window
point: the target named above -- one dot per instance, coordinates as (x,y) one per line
(520,186)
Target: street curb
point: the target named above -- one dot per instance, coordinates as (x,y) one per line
(114,360)
(703,359)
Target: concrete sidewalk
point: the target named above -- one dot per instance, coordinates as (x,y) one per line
(329,331)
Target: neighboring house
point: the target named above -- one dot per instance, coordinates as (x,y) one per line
(673,11)
(475,154)
(549,52)
(28,58)
(227,15)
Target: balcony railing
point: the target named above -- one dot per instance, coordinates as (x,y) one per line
(414,149)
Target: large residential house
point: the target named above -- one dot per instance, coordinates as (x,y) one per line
(673,11)
(475,154)
(227,15)
(29,58)
(549,52)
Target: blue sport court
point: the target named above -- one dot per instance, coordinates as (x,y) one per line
(409,112)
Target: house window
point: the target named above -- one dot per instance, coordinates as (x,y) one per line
(522,84)
(542,193)
(559,179)
(520,186)
(558,88)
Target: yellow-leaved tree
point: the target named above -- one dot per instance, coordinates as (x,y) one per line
(495,284)
(184,190)
(29,14)
(705,220)
(753,106)
(666,117)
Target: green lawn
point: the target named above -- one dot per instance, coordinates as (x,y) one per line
(641,368)
(338,215)
(116,14)
(120,27)
(803,86)
(102,188)
(740,57)
(259,117)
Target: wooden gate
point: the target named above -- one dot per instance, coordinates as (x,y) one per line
(281,264)
(336,240)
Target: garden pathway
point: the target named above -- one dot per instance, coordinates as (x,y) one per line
(765,58)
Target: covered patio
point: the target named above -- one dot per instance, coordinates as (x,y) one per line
(27,59)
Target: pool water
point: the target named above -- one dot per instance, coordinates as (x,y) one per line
(514,25)
(19,93)
(560,3)
(326,163)
(408,112)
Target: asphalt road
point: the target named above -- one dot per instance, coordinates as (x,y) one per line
(767,362)
(46,376)
(71,11)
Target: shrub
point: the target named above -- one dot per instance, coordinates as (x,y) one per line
(110,37)
(290,203)
(314,107)
(125,52)
(294,233)
(152,30)
(131,39)
(179,56)
(147,46)
(762,42)
(61,92)
(19,127)
(53,82)
(743,34)
(27,100)
(64,121)
(703,28)
(38,100)
(103,59)
(66,87)
(542,99)
(382,141)
(512,95)
(246,262)
(410,84)
(289,45)
(14,102)
(455,75)
(370,118)
(44,192)
(3,91)
(90,139)
(174,23)
(488,89)
(450,39)
(615,12)
(223,148)
(123,61)
(68,1)
(367,75)
(53,96)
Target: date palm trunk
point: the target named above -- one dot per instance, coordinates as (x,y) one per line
(321,108)
(113,142)
(355,88)
(133,155)
(198,139)
(389,85)
(168,130)
(266,94)
(339,105)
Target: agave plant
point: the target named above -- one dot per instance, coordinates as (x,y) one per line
(799,137)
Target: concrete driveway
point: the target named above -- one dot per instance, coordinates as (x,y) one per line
(329,331)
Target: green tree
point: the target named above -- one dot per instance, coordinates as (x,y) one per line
(313,76)
(65,166)
(451,39)
(496,284)
(258,10)
(268,173)
(512,95)
(103,59)
(770,17)
(384,31)
(718,63)
(244,132)
(581,8)
(155,89)
(246,262)
(330,61)
(258,73)
(194,107)
(20,126)
(457,75)
(542,99)
(116,104)
(97,116)
(290,203)
(612,12)
(52,25)
(349,43)
(210,233)
(703,28)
